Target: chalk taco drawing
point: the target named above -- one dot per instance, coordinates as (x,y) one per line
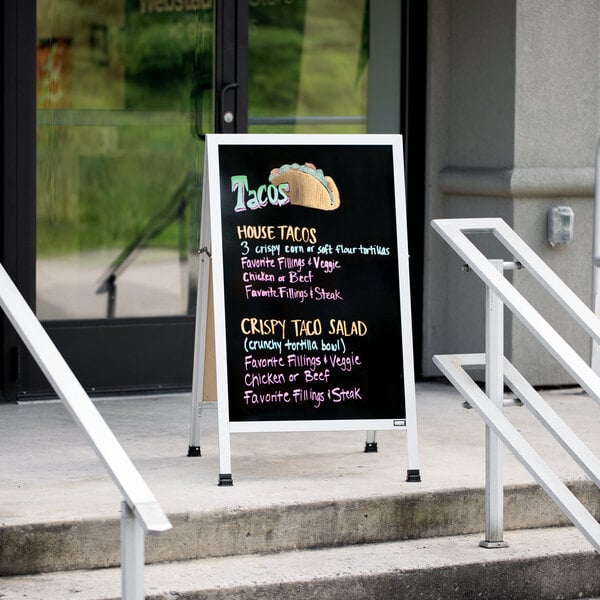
(308,186)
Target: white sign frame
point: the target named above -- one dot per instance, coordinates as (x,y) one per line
(211,249)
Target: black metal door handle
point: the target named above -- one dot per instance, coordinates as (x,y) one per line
(226,116)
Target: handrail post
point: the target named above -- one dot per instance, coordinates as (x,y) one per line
(494,386)
(132,555)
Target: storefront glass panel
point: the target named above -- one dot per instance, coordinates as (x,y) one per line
(308,66)
(123,89)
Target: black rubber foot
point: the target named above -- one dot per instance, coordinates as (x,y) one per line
(194,451)
(413,475)
(371,447)
(499,544)
(225,479)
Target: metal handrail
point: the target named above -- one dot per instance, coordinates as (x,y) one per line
(453,231)
(140,511)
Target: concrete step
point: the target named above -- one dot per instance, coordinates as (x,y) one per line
(538,563)
(314,501)
(94,543)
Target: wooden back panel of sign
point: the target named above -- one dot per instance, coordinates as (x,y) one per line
(311,290)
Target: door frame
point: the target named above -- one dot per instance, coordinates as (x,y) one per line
(18,203)
(231,66)
(412,126)
(19,376)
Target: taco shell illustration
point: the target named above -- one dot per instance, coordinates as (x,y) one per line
(308,186)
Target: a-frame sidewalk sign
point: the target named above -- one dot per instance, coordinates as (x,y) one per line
(306,240)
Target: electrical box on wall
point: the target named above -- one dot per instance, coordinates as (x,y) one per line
(560,225)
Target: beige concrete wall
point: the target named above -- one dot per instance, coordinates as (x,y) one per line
(513,118)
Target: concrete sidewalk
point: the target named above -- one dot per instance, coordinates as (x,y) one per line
(48,473)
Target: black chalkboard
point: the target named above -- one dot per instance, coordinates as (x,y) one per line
(310,277)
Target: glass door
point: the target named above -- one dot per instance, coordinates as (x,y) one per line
(118,157)
(123,98)
(124,92)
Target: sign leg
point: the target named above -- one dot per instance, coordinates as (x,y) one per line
(199,354)
(225,477)
(413,473)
